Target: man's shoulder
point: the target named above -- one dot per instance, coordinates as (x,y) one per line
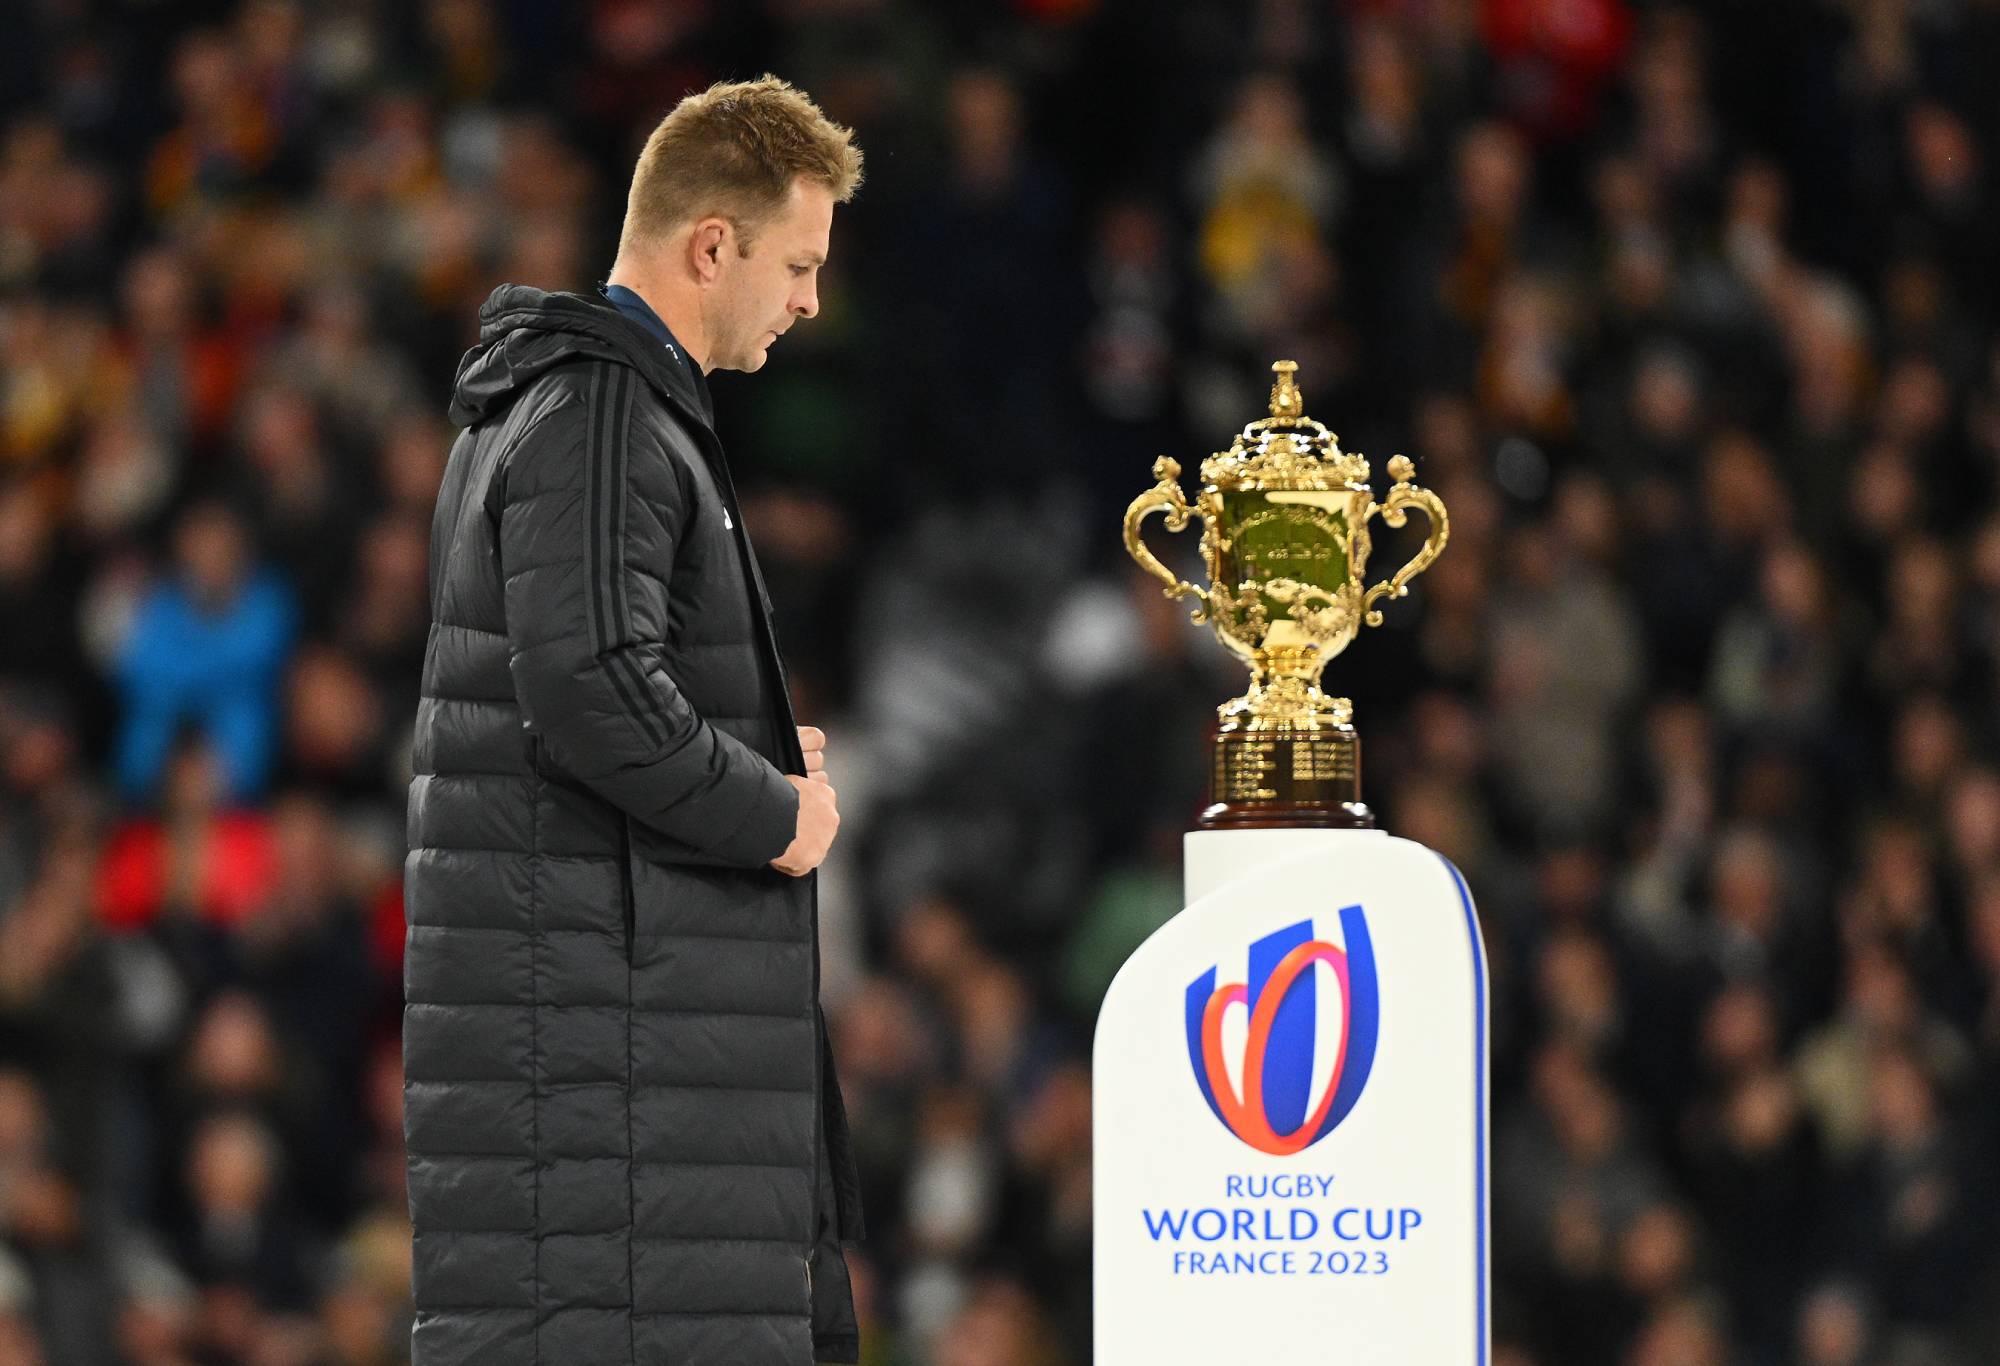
(595,394)
(598,414)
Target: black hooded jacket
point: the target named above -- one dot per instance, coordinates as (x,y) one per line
(626,1142)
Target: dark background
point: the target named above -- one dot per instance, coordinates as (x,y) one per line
(1687,311)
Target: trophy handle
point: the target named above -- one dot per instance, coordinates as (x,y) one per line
(1165,496)
(1395,511)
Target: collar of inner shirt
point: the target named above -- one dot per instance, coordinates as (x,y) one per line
(629,303)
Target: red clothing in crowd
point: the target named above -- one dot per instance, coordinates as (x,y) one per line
(239,866)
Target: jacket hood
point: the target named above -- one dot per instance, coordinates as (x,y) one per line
(526,332)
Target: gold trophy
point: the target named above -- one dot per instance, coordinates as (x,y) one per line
(1284,515)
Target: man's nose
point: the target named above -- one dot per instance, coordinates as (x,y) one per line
(806,305)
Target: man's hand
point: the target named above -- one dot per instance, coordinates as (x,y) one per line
(819,815)
(812,740)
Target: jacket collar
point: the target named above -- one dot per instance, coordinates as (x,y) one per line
(633,306)
(523,330)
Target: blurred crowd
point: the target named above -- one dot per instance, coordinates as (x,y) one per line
(1689,311)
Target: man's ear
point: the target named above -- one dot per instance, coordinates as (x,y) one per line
(706,245)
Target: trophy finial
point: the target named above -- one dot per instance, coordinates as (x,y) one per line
(1286,400)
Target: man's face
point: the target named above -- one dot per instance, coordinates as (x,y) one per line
(212,554)
(757,297)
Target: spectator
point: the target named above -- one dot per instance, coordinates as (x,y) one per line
(202,860)
(205,647)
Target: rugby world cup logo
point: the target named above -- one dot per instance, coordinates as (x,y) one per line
(1272,1106)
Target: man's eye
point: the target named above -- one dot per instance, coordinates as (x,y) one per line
(800,270)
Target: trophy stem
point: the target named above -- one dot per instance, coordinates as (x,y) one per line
(1277,777)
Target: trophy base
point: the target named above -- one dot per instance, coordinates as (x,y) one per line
(1283,779)
(1269,816)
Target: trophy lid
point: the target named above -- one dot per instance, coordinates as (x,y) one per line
(1287,450)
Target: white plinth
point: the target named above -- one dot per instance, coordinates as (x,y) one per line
(1342,1220)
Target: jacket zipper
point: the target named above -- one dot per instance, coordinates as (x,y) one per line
(627,879)
(819,1081)
(754,581)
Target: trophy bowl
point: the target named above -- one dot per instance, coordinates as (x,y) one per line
(1285,519)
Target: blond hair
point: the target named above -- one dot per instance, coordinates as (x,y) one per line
(733,150)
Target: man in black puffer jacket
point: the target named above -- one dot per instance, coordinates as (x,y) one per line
(626,1143)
